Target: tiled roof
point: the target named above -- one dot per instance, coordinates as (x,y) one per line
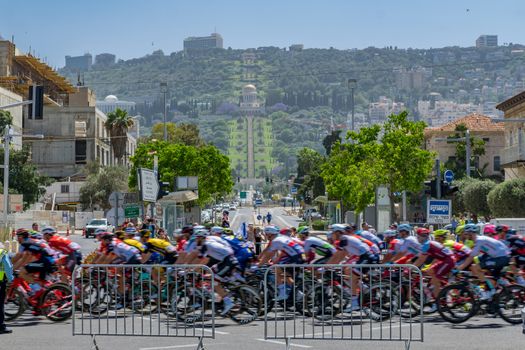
(473,122)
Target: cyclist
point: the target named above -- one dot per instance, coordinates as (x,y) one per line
(64,246)
(443,260)
(166,250)
(290,252)
(221,257)
(315,245)
(242,250)
(490,231)
(516,243)
(180,240)
(495,257)
(393,245)
(114,251)
(351,246)
(351,231)
(366,234)
(410,246)
(460,251)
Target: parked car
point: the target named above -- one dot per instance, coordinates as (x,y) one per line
(95,224)
(233,207)
(311,214)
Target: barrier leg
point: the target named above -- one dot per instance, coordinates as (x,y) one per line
(200,346)
(523,318)
(407,344)
(94,341)
(288,345)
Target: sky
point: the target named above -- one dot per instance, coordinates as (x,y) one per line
(134,28)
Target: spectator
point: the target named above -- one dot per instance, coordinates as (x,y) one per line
(269,218)
(34,227)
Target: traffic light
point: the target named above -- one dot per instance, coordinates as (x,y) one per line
(36,108)
(447,189)
(431,188)
(164,188)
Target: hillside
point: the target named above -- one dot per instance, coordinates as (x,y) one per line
(308,78)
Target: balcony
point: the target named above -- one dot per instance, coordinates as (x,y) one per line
(513,154)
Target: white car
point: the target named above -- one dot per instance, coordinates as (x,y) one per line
(95,224)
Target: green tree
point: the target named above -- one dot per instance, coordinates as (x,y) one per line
(330,140)
(23,176)
(475,196)
(309,163)
(206,162)
(118,124)
(185,133)
(100,183)
(5,119)
(458,163)
(507,199)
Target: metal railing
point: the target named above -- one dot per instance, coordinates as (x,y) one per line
(344,302)
(144,300)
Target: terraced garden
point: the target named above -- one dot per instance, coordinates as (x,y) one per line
(263,146)
(238,146)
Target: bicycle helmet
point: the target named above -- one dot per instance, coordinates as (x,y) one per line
(441,233)
(22,232)
(501,228)
(130,231)
(48,231)
(286,231)
(120,234)
(460,229)
(35,235)
(217,230)
(201,233)
(145,233)
(404,227)
(471,228)
(198,227)
(187,229)
(338,227)
(489,229)
(422,231)
(271,230)
(390,233)
(108,235)
(303,230)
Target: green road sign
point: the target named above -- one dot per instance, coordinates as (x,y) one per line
(132,211)
(243,195)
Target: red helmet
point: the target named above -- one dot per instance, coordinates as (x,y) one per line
(285,231)
(503,228)
(422,231)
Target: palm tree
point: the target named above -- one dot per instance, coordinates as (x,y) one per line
(118,124)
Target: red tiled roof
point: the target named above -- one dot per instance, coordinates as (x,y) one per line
(473,122)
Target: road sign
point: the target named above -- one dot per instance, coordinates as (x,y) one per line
(116,199)
(242,195)
(149,185)
(439,211)
(293,190)
(448,176)
(132,210)
(112,216)
(258,201)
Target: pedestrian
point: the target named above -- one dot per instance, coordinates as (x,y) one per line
(269,218)
(259,237)
(34,227)
(6,275)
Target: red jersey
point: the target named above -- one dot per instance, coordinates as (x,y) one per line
(435,250)
(63,245)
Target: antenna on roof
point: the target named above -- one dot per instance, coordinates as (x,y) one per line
(83,80)
(79,83)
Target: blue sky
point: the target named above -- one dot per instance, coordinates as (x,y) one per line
(133,28)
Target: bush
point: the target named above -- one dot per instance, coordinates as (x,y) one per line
(508,199)
(475,196)
(319,225)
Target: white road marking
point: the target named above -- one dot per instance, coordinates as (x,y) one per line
(385,327)
(283,343)
(216,331)
(171,347)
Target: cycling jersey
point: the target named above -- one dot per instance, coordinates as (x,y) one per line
(215,249)
(286,245)
(435,250)
(370,236)
(134,243)
(490,246)
(353,245)
(374,248)
(411,246)
(516,244)
(180,245)
(124,252)
(38,248)
(459,250)
(62,244)
(243,250)
(318,246)
(394,246)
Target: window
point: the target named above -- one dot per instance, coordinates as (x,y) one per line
(497,163)
(80,152)
(486,139)
(64,188)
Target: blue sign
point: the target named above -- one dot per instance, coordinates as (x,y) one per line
(449,176)
(293,190)
(439,211)
(258,202)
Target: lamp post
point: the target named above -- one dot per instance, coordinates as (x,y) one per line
(8,134)
(164,90)
(352,85)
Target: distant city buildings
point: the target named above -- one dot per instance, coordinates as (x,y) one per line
(296,47)
(111,103)
(411,79)
(203,42)
(105,59)
(378,111)
(487,41)
(79,63)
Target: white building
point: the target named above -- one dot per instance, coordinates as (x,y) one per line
(437,113)
(6,98)
(378,111)
(250,103)
(111,103)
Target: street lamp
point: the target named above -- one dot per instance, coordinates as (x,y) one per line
(467,147)
(164,90)
(8,134)
(352,85)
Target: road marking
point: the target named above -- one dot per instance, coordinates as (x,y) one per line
(385,327)
(171,347)
(218,332)
(283,343)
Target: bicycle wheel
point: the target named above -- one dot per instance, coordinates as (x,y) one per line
(57,302)
(188,304)
(510,302)
(14,305)
(324,302)
(380,302)
(145,298)
(248,304)
(457,303)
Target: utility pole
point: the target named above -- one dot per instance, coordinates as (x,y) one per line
(164,90)
(467,150)
(7,139)
(352,84)
(438,180)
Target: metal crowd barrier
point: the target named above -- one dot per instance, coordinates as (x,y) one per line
(144,300)
(319,300)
